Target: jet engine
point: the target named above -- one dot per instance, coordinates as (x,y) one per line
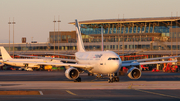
(134,73)
(72,73)
(1,64)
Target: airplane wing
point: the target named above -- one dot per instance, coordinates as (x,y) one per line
(144,63)
(129,53)
(62,54)
(34,64)
(142,60)
(156,62)
(61,59)
(82,66)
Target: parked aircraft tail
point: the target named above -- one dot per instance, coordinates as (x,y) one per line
(4,53)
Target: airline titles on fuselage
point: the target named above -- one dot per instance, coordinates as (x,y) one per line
(89,57)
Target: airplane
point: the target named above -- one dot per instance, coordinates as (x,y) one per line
(95,62)
(25,63)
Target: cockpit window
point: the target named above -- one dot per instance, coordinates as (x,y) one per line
(113,58)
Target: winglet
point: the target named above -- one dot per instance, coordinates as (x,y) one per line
(80,44)
(4,53)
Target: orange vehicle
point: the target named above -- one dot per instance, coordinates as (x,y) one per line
(144,68)
(170,68)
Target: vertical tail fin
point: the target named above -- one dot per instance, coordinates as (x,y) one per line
(80,44)
(4,53)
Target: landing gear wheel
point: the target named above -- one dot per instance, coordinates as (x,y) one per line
(90,74)
(117,79)
(110,80)
(78,80)
(99,76)
(114,79)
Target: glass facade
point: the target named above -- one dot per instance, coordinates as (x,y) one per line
(113,28)
(155,33)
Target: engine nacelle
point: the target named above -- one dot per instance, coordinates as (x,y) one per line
(72,73)
(134,73)
(1,64)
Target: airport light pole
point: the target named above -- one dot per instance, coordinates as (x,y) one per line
(54,34)
(176,39)
(118,34)
(9,35)
(32,39)
(171,39)
(59,36)
(13,36)
(123,38)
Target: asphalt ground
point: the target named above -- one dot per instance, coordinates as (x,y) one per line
(46,86)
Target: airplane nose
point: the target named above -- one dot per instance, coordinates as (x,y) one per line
(119,65)
(116,66)
(111,67)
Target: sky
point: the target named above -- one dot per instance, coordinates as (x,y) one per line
(34,18)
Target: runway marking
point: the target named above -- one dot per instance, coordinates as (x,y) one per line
(41,92)
(19,93)
(157,93)
(70,92)
(130,87)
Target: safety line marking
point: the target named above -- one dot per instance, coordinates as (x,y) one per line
(41,92)
(157,93)
(70,92)
(130,87)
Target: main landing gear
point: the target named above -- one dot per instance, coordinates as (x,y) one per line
(113,78)
(90,74)
(99,76)
(78,79)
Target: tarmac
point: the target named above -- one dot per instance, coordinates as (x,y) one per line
(44,85)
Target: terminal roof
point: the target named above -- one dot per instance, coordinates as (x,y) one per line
(157,19)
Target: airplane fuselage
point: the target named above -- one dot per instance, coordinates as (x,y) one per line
(104,62)
(24,62)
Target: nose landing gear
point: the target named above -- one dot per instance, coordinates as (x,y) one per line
(113,78)
(99,76)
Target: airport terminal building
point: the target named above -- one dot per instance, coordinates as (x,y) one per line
(129,34)
(155,36)
(140,33)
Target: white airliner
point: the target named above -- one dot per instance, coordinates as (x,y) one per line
(23,62)
(95,62)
